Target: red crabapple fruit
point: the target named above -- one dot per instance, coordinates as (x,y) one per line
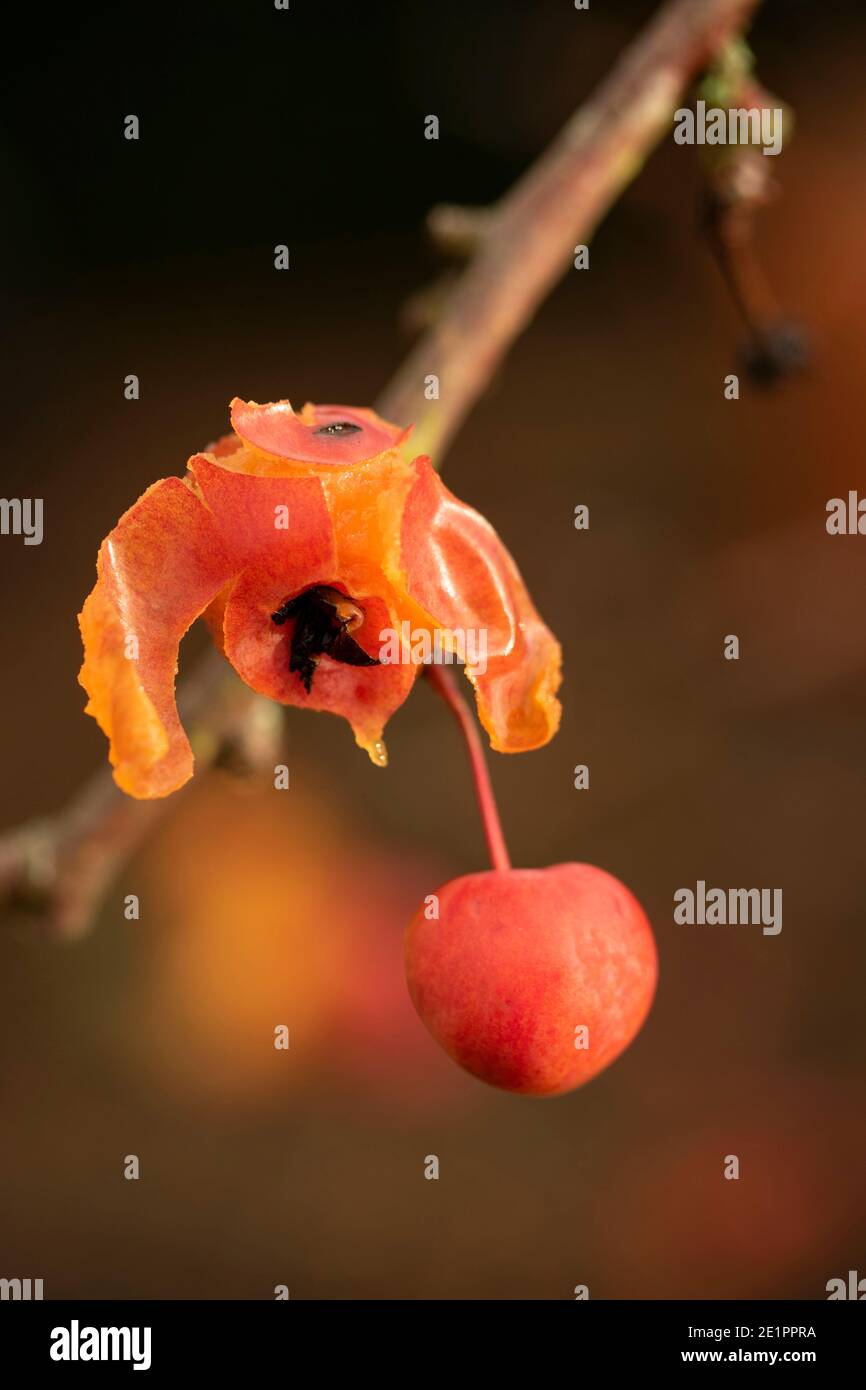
(533,980)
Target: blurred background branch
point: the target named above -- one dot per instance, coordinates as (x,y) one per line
(54,870)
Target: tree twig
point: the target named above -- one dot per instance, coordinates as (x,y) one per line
(525,245)
(56,869)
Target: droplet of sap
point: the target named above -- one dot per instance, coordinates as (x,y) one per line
(379,753)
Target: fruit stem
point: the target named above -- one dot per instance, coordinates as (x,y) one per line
(443,683)
(745,281)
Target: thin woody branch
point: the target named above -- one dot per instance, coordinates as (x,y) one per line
(55,870)
(525,243)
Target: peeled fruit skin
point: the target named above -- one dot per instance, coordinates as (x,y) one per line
(518,960)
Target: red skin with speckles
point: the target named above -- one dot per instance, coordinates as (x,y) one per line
(518,960)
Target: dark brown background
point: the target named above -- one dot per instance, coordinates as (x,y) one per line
(707,517)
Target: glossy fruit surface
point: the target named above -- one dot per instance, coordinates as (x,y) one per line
(534,980)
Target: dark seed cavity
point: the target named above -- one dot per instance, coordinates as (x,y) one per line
(324,618)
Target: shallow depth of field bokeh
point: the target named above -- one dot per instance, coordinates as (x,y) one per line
(707,517)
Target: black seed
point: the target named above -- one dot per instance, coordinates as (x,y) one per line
(339,427)
(344,648)
(286,610)
(319,629)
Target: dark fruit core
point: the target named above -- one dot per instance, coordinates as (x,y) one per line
(324,619)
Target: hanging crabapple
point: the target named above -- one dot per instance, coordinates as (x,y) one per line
(534,980)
